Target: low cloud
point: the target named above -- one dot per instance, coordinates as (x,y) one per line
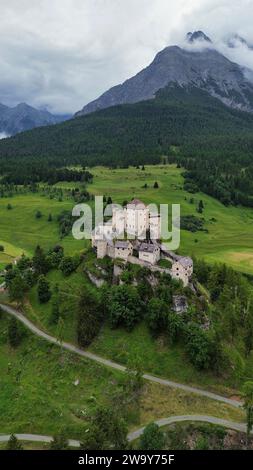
(3,135)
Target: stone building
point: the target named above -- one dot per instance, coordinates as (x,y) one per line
(136,220)
(182,269)
(149,252)
(123,249)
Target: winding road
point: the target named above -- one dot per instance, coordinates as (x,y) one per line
(135,434)
(113,365)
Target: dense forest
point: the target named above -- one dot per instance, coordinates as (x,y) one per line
(213,142)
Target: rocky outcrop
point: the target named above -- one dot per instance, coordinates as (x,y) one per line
(180,304)
(98,282)
(204,68)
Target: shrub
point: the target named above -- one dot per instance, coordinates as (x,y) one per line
(68,265)
(152,438)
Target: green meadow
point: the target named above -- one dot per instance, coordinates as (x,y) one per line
(46,390)
(230,229)
(21,231)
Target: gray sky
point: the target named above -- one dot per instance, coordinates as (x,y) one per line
(61,54)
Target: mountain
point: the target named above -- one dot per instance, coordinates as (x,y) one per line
(186,117)
(197,36)
(24,117)
(205,68)
(185,124)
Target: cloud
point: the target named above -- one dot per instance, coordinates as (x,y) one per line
(61,54)
(3,135)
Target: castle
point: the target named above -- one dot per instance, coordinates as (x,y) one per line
(143,245)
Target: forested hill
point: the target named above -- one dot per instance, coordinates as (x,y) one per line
(183,123)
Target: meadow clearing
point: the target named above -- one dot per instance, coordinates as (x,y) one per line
(230,229)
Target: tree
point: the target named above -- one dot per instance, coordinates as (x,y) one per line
(157,314)
(15,334)
(89,319)
(55,256)
(9,207)
(23,263)
(43,290)
(40,261)
(174,326)
(38,215)
(13,443)
(200,206)
(198,347)
(17,288)
(29,278)
(156,185)
(152,438)
(59,442)
(107,430)
(248,405)
(67,265)
(93,438)
(50,218)
(124,306)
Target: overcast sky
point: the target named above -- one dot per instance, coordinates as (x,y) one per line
(61,54)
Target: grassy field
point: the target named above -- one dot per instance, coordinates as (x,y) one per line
(38,394)
(230,237)
(230,228)
(70,288)
(21,231)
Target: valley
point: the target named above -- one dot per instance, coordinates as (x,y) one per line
(230,229)
(117,341)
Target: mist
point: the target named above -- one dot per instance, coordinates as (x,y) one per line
(3,135)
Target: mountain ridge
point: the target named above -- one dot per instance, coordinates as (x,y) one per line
(23,117)
(206,68)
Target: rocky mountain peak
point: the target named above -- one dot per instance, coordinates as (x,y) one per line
(205,68)
(197,36)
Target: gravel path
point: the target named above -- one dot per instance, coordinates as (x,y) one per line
(135,434)
(114,365)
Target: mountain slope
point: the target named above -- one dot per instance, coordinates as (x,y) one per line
(206,69)
(23,117)
(138,132)
(212,141)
